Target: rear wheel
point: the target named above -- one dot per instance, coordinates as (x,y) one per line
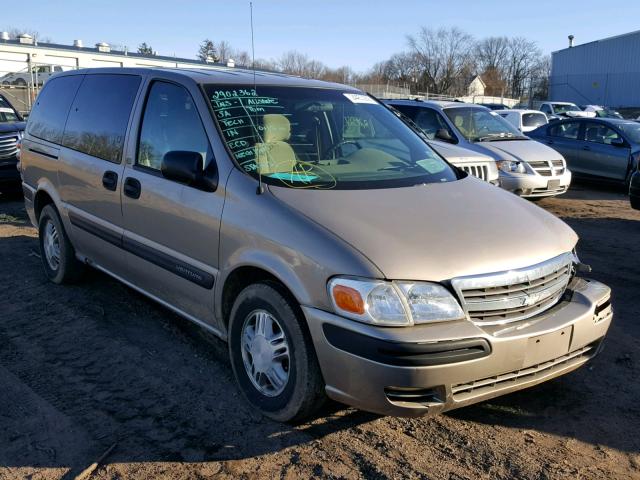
(272,356)
(57,253)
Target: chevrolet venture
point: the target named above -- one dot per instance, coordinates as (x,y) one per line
(314,231)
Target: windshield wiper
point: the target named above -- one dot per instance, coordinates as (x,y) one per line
(499,137)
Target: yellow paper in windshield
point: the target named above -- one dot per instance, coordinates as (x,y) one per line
(432,165)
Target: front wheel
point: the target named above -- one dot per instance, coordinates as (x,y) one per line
(272,356)
(57,253)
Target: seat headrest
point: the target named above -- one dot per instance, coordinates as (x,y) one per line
(277,128)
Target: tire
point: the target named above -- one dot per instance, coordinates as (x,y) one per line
(57,254)
(303,390)
(20,82)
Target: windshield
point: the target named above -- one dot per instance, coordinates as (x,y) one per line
(322,138)
(8,115)
(560,108)
(608,114)
(479,124)
(631,131)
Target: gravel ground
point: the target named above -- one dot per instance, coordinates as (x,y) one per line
(85,367)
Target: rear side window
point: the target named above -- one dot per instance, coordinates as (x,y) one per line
(565,130)
(49,114)
(533,119)
(99,115)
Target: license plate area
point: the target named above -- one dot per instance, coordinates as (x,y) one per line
(548,346)
(553,184)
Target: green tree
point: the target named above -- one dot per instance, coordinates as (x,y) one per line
(145,49)
(207,51)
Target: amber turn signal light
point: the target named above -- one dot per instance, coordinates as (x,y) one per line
(348,299)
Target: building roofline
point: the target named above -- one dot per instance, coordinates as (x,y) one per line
(635,32)
(112,53)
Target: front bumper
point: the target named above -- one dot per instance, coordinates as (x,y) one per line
(534,185)
(428,369)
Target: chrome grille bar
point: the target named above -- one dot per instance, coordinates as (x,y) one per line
(548,168)
(514,295)
(8,145)
(480,171)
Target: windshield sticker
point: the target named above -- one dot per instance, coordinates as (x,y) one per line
(358,98)
(292,177)
(432,165)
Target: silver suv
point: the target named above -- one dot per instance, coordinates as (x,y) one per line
(527,168)
(314,231)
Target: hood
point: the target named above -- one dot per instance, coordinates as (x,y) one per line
(581,114)
(437,231)
(458,155)
(521,150)
(10,127)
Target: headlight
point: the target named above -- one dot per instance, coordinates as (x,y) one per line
(511,166)
(392,303)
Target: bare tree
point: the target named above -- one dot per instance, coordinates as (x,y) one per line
(225,50)
(523,57)
(491,53)
(296,63)
(444,56)
(14,32)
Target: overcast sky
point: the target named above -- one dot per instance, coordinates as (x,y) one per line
(357,33)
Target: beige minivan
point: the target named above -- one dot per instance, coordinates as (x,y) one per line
(310,228)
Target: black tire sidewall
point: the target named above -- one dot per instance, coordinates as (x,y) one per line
(262,296)
(56,276)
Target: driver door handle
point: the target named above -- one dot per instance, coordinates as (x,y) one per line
(586,147)
(132,188)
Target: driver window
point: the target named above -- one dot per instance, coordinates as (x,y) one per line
(170,122)
(430,122)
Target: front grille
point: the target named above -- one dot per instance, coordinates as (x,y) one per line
(548,168)
(514,295)
(480,171)
(8,145)
(464,391)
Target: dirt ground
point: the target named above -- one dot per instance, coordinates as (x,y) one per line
(85,367)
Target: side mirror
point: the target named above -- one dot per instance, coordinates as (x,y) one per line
(187,167)
(443,134)
(618,142)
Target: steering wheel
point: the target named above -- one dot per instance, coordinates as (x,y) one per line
(340,144)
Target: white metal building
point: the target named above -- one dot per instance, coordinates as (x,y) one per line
(26,64)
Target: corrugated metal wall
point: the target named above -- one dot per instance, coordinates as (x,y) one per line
(605,72)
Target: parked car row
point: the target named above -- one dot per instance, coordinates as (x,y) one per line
(38,76)
(11,129)
(526,167)
(317,233)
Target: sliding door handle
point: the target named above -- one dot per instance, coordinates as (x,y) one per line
(132,188)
